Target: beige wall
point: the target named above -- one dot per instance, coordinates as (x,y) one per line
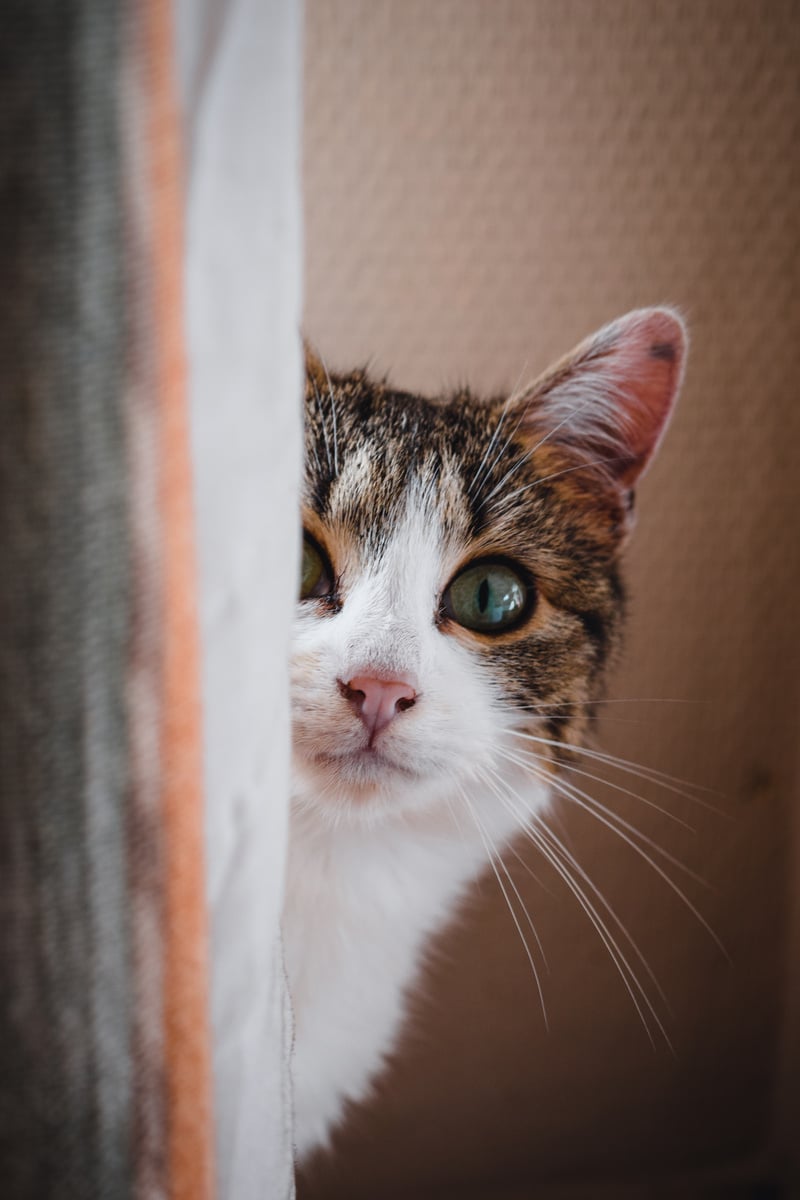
(486,182)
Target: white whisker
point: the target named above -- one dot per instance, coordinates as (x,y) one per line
(605,817)
(316,457)
(333,418)
(573,862)
(576,411)
(491,854)
(617,955)
(597,462)
(499,858)
(485,461)
(535,816)
(617,787)
(512,470)
(527,868)
(670,782)
(619,823)
(501,451)
(454,814)
(323,424)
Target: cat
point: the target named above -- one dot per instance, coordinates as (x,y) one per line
(461,595)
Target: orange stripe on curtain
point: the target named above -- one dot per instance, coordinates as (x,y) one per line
(186,961)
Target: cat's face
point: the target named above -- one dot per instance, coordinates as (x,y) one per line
(460,575)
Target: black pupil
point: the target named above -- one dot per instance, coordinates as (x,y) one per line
(483,595)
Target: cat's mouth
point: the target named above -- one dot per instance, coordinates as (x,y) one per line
(364,765)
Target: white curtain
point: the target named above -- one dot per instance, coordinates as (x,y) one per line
(240,71)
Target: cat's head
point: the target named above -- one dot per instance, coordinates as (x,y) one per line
(461,578)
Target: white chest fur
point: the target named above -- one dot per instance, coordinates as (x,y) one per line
(361,905)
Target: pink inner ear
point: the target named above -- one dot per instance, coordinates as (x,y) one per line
(645,359)
(610,399)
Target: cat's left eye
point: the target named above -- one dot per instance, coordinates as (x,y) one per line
(316,578)
(488,597)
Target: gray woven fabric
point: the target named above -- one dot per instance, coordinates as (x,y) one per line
(65,1072)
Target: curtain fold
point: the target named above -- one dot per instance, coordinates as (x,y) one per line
(144,1028)
(240,65)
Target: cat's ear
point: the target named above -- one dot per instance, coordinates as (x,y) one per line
(610,399)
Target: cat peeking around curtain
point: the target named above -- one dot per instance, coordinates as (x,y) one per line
(460,598)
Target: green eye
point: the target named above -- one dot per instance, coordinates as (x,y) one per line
(316,579)
(488,597)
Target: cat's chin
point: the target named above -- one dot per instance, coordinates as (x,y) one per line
(367,768)
(362,785)
(358,773)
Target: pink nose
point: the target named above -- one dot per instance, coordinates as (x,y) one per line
(377,701)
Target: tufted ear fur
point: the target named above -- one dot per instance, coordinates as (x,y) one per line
(610,399)
(315,368)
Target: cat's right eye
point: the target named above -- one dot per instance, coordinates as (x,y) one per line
(316,579)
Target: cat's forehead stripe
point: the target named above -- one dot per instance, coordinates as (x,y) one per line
(384,439)
(385,443)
